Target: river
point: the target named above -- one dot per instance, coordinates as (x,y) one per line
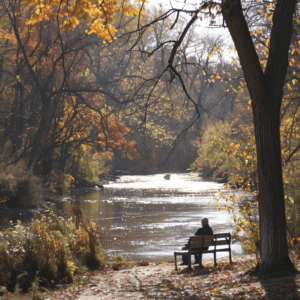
(148,217)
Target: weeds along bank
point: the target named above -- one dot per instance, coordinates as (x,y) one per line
(49,251)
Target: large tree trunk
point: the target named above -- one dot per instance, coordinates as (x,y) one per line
(266,90)
(274,249)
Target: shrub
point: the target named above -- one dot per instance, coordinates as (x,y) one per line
(7,186)
(62,180)
(229,150)
(84,166)
(20,190)
(246,221)
(86,240)
(48,252)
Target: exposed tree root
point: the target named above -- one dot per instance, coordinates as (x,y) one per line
(283,268)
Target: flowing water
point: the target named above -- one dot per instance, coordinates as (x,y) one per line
(148,217)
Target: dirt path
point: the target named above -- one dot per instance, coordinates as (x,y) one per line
(159,281)
(148,282)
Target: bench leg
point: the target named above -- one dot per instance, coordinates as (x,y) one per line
(175,262)
(215,258)
(189,261)
(200,261)
(230,256)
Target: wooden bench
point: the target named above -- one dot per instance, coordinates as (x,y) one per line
(198,242)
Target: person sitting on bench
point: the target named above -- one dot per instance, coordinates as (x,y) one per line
(205,230)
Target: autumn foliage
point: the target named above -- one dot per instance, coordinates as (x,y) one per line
(98,15)
(51,105)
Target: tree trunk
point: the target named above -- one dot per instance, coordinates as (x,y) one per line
(37,141)
(274,249)
(266,90)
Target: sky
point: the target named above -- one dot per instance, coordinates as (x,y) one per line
(204,27)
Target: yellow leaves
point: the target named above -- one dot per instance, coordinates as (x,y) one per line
(105,31)
(70,23)
(232,48)
(258,32)
(70,13)
(129,11)
(240,228)
(218,206)
(216,291)
(35,18)
(289,88)
(226,91)
(294,81)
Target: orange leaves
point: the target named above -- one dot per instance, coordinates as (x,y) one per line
(96,129)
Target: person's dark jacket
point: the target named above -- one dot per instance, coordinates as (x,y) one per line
(205,230)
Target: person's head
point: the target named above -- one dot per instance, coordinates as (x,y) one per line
(204,221)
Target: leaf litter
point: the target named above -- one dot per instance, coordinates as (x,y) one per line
(161,281)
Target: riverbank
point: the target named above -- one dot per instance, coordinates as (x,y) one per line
(160,281)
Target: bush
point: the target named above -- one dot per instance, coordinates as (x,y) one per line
(20,190)
(48,252)
(229,149)
(62,180)
(7,186)
(246,221)
(84,166)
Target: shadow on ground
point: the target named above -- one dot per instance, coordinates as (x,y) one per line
(281,286)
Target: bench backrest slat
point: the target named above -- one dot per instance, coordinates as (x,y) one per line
(202,241)
(200,244)
(196,238)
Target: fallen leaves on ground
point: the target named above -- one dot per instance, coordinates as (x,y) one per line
(160,281)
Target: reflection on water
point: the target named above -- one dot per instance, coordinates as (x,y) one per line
(148,217)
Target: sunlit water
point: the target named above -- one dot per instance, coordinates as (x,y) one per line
(148,217)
